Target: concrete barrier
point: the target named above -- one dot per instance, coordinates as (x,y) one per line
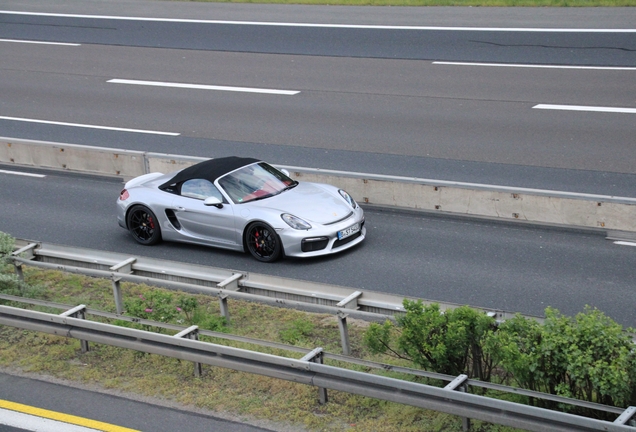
(615,215)
(71,157)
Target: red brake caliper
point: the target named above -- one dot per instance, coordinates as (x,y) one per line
(151,223)
(256,239)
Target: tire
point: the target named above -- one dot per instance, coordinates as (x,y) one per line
(143,225)
(263,242)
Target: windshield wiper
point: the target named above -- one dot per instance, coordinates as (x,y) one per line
(262,197)
(291,186)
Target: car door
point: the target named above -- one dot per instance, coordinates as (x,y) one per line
(209,224)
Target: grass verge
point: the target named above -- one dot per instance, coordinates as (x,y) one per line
(226,393)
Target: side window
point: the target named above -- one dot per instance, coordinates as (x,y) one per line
(200,189)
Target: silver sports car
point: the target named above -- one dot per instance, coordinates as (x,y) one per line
(241,204)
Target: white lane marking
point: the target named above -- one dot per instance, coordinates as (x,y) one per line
(22,173)
(204,87)
(535,66)
(625,243)
(353,26)
(37,424)
(39,42)
(585,108)
(89,126)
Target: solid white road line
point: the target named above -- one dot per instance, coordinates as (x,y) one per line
(37,424)
(353,26)
(625,243)
(39,42)
(203,87)
(22,174)
(535,66)
(90,126)
(585,108)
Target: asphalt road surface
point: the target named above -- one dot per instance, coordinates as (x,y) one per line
(542,108)
(540,98)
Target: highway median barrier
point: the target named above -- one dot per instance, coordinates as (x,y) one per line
(614,216)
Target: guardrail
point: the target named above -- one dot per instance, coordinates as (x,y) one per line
(224,284)
(614,215)
(310,370)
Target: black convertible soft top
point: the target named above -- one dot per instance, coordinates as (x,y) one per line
(210,170)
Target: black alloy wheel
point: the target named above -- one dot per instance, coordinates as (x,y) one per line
(143,225)
(263,242)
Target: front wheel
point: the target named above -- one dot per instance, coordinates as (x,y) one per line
(143,225)
(263,242)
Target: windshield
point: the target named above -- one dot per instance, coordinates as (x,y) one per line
(256,181)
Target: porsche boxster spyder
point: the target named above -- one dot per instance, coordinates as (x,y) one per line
(241,204)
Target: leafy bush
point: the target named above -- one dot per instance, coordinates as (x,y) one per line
(588,357)
(448,342)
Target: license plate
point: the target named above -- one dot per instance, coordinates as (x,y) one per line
(347,232)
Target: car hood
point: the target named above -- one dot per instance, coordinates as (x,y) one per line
(309,201)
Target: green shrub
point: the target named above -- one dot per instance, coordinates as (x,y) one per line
(588,357)
(448,342)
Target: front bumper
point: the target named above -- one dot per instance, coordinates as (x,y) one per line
(323,239)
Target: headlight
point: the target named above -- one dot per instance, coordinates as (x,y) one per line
(295,222)
(348,198)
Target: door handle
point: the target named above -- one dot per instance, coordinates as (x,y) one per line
(179,208)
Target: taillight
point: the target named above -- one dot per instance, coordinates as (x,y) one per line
(124,195)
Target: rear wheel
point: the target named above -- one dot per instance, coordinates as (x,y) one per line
(263,242)
(143,225)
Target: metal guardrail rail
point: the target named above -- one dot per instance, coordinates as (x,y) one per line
(279,291)
(309,370)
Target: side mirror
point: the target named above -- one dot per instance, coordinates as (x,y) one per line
(213,201)
(284,171)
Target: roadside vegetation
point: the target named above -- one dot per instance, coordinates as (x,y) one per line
(588,357)
(472,3)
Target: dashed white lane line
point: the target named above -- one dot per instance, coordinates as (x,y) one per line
(203,87)
(586,108)
(39,42)
(22,173)
(625,243)
(352,26)
(537,66)
(118,129)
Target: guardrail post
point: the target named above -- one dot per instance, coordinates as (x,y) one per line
(122,267)
(316,356)
(28,254)
(119,306)
(78,312)
(231,284)
(344,332)
(192,333)
(465,420)
(225,311)
(459,383)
